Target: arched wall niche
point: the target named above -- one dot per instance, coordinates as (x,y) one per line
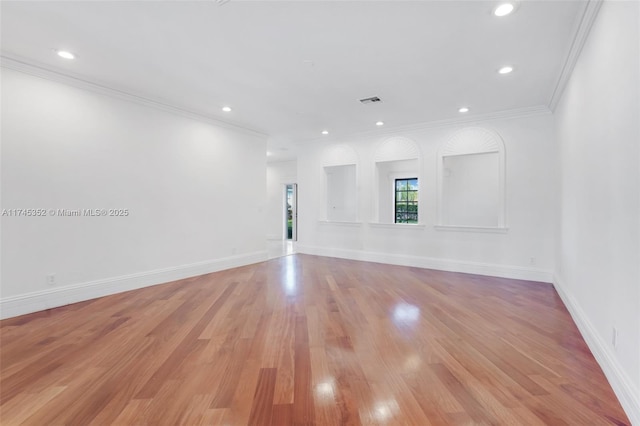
(472,140)
(397,148)
(397,157)
(471,180)
(339,155)
(340,195)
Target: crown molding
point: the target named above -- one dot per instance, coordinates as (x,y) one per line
(579,38)
(449,122)
(39,70)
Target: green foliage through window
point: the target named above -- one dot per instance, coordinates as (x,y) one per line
(406,200)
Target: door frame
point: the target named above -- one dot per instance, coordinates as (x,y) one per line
(294,211)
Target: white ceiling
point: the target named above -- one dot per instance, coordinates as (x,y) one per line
(291,69)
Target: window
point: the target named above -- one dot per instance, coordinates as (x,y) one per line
(406,200)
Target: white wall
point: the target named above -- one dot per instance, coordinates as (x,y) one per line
(598,263)
(190,188)
(530,149)
(278,175)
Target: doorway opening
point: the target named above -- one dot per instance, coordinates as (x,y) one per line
(291,212)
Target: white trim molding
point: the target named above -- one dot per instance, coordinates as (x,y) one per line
(474,119)
(47,299)
(487,229)
(340,223)
(411,226)
(579,38)
(451,265)
(621,383)
(39,70)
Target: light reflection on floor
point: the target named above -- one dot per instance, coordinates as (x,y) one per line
(279,248)
(324,391)
(405,313)
(290,277)
(384,411)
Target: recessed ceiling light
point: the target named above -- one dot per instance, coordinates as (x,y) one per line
(65,54)
(226,109)
(463,109)
(505,70)
(269,153)
(325,132)
(379,123)
(503,10)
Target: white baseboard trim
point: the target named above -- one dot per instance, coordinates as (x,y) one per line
(52,298)
(620,382)
(451,265)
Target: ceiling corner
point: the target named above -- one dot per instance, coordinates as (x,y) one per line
(579,38)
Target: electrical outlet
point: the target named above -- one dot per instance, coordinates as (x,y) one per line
(532,260)
(614,337)
(51,279)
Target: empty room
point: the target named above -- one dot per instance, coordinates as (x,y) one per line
(231,212)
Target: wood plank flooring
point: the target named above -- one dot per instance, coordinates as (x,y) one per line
(306,340)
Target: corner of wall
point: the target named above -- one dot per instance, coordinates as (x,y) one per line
(54,298)
(450,265)
(621,383)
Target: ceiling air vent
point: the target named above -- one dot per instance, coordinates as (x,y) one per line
(371,100)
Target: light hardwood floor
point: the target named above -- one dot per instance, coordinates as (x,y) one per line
(307,340)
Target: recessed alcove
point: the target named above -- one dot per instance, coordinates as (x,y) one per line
(471,181)
(340,195)
(397,162)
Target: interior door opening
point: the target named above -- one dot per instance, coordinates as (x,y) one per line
(291,212)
